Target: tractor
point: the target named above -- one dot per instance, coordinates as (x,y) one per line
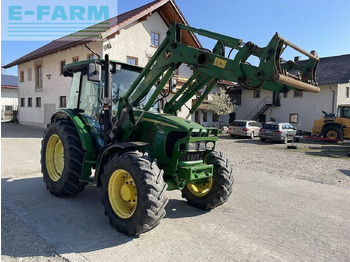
(334,126)
(114,134)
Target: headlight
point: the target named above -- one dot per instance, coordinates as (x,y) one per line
(201,146)
(192,147)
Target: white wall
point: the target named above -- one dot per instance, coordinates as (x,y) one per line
(309,107)
(341,94)
(54,87)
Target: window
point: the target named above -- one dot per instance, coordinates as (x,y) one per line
(132,60)
(21,76)
(62,64)
(91,56)
(293,118)
(236,97)
(38,77)
(75,59)
(298,93)
(63,101)
(29,102)
(205,116)
(29,74)
(23,102)
(347,92)
(38,102)
(285,95)
(8,108)
(215,117)
(257,93)
(155,39)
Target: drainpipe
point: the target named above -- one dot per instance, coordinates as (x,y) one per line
(330,87)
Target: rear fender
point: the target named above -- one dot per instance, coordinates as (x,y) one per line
(85,138)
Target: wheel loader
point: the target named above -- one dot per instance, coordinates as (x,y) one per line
(114,133)
(334,126)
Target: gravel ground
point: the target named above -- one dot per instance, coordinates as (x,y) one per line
(26,246)
(322,162)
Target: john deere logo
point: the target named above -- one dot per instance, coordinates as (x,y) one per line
(167,54)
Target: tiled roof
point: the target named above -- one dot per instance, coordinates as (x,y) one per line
(114,24)
(9,81)
(333,70)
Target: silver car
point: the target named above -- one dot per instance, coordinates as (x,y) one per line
(282,132)
(244,128)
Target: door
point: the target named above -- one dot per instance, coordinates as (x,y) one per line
(276,99)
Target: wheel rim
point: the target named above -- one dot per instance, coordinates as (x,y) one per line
(332,134)
(200,189)
(122,193)
(54,157)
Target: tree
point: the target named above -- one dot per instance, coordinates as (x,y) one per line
(221,104)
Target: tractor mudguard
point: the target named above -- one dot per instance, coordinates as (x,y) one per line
(85,139)
(110,150)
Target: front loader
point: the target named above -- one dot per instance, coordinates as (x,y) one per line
(114,127)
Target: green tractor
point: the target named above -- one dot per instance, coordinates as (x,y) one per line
(114,127)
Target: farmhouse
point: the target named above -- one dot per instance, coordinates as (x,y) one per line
(132,38)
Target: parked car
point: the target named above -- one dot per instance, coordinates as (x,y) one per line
(282,132)
(244,128)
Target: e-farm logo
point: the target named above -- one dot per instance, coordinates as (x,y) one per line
(48,20)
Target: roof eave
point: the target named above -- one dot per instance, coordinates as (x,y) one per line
(118,27)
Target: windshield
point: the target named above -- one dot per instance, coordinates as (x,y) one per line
(121,82)
(270,126)
(344,112)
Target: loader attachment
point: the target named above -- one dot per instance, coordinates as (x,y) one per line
(210,66)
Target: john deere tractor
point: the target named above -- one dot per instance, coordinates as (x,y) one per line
(114,134)
(334,126)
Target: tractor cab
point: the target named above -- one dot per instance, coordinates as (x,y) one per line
(343,111)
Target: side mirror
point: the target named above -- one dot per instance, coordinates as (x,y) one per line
(94,72)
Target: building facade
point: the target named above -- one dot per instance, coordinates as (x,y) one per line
(298,108)
(132,38)
(9,96)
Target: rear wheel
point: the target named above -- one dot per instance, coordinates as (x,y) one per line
(252,135)
(214,191)
(332,132)
(62,159)
(285,139)
(133,192)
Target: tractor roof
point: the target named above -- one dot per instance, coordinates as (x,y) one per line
(69,69)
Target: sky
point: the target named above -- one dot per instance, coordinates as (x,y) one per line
(320,25)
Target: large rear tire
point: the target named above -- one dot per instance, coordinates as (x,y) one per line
(133,192)
(332,132)
(212,192)
(62,159)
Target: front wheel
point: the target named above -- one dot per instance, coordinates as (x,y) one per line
(332,132)
(214,191)
(133,192)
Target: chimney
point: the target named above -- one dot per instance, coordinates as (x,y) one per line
(297,58)
(314,53)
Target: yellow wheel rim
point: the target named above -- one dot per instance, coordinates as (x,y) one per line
(332,134)
(122,193)
(200,189)
(54,157)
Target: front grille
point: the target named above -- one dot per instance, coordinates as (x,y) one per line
(192,156)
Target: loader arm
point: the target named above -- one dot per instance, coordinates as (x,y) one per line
(209,67)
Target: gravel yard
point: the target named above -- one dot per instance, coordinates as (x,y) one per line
(320,162)
(256,223)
